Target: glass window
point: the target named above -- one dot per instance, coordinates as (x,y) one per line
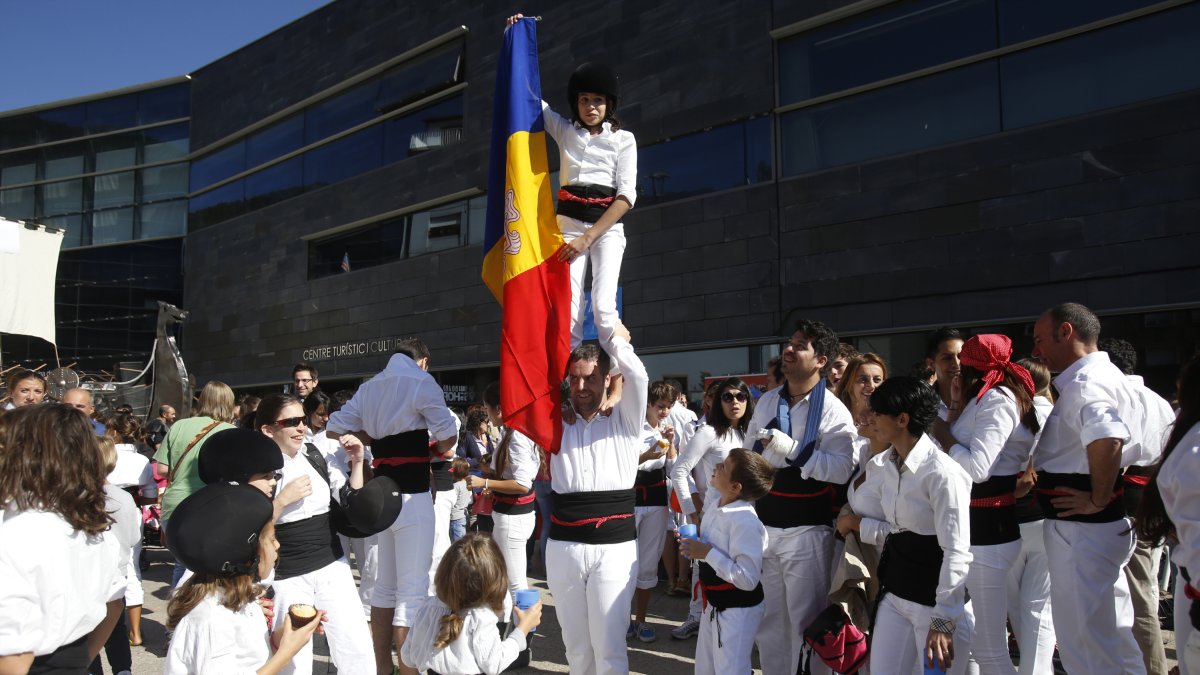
(357,153)
(113,189)
(275,141)
(114,152)
(417,79)
(18,168)
(370,246)
(934,110)
(17,203)
(724,157)
(1022,20)
(112,226)
(74,226)
(437,230)
(18,132)
(164,103)
(1129,62)
(216,205)
(61,123)
(62,197)
(110,114)
(218,165)
(893,40)
(164,182)
(275,184)
(163,144)
(164,219)
(341,112)
(62,161)
(432,127)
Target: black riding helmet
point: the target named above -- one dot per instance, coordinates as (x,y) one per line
(593,77)
(215,530)
(236,454)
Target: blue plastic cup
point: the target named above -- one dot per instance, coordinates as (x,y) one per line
(526,598)
(688,531)
(932,670)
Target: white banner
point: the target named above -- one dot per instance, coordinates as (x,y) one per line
(28,265)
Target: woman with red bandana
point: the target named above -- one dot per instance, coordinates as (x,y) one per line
(991,438)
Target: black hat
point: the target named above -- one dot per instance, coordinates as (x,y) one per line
(372,509)
(215,529)
(593,77)
(236,454)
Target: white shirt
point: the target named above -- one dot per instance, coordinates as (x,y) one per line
(132,470)
(991,439)
(602,453)
(833,459)
(684,422)
(607,158)
(1095,401)
(1179,483)
(738,541)
(700,457)
(524,460)
(127,517)
(1158,418)
(650,439)
(57,581)
(317,502)
(214,639)
(400,398)
(932,496)
(477,649)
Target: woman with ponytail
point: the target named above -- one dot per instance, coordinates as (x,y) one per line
(456,632)
(1171,504)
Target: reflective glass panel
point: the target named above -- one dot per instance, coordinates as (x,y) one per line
(110,114)
(164,219)
(218,165)
(341,112)
(18,168)
(74,227)
(432,127)
(18,132)
(1022,20)
(357,153)
(164,182)
(893,40)
(164,103)
(112,226)
(163,144)
(114,153)
(216,205)
(1126,63)
(113,189)
(717,159)
(17,203)
(476,214)
(62,161)
(417,79)
(933,110)
(61,123)
(275,141)
(437,230)
(367,247)
(62,197)
(275,184)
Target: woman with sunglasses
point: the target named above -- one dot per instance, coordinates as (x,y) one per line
(312,569)
(724,429)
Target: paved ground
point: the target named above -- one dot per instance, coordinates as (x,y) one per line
(664,657)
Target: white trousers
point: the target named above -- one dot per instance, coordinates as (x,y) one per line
(987,582)
(726,639)
(605,256)
(330,588)
(1187,639)
(795,579)
(651,535)
(366,557)
(899,634)
(405,552)
(1029,602)
(1093,613)
(443,503)
(593,587)
(134,594)
(511,534)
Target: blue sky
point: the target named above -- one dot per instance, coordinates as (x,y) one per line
(58,49)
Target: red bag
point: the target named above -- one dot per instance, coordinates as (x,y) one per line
(839,643)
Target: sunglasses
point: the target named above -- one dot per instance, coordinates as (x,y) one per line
(290,422)
(731,396)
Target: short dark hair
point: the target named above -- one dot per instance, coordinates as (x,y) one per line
(591,352)
(775,367)
(412,347)
(1121,352)
(459,468)
(822,338)
(491,395)
(474,419)
(754,473)
(21,375)
(315,400)
(907,394)
(1083,320)
(921,369)
(340,398)
(305,365)
(937,337)
(663,390)
(846,351)
(162,409)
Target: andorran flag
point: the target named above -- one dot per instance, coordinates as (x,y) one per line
(521,240)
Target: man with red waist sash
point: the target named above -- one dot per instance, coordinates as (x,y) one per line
(591,557)
(812,446)
(1095,429)
(398,412)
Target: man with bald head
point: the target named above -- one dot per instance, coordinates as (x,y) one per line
(81,398)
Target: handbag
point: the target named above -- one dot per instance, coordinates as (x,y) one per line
(836,640)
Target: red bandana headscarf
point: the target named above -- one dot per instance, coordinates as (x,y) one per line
(990,354)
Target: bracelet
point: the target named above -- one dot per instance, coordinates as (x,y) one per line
(485,483)
(940,625)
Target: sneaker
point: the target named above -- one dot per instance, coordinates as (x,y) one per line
(689,629)
(645,633)
(631,631)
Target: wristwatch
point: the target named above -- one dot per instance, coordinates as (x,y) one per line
(941,625)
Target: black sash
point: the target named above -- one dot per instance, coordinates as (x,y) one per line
(600,517)
(795,501)
(69,659)
(721,594)
(651,487)
(1028,509)
(306,546)
(994,511)
(910,566)
(412,477)
(583,210)
(1047,489)
(441,477)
